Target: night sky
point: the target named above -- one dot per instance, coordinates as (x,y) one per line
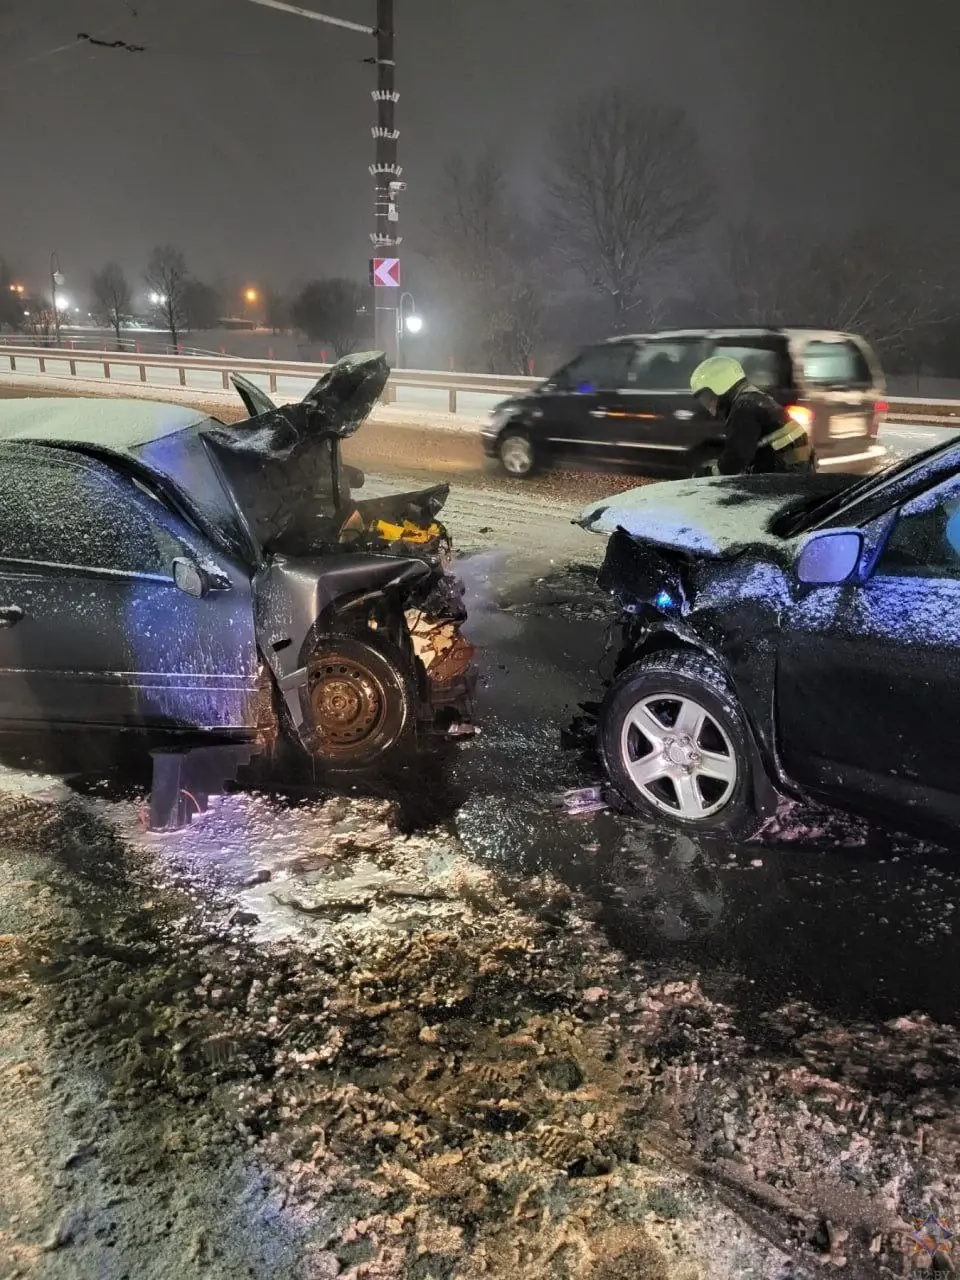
(242,134)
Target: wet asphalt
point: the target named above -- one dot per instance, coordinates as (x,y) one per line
(855,920)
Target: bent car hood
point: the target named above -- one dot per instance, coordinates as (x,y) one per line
(283,464)
(707,517)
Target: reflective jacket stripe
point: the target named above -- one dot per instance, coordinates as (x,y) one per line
(784,436)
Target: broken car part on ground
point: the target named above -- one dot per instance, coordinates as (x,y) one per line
(786,634)
(164,572)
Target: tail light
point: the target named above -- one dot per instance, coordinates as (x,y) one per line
(801,414)
(880,409)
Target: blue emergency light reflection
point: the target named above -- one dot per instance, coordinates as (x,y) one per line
(664,600)
(953,531)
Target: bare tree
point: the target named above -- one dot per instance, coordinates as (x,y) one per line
(872,283)
(490,260)
(111,298)
(166,277)
(333,311)
(875,284)
(627,184)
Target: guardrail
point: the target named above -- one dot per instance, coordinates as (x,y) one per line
(933,412)
(223,366)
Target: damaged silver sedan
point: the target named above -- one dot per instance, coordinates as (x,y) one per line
(162,571)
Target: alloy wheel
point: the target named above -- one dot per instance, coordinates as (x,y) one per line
(678,757)
(516,454)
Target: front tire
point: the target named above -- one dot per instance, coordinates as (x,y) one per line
(517,454)
(675,745)
(359,702)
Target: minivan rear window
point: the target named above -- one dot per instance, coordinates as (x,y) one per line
(836,364)
(764,364)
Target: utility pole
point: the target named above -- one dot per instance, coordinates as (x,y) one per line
(385,170)
(386,174)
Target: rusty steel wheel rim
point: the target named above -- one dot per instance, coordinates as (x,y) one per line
(349,704)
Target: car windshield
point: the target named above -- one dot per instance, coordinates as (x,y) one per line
(817,511)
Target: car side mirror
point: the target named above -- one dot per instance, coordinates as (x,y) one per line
(190,578)
(829,557)
(355,477)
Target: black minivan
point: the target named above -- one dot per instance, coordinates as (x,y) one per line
(627,402)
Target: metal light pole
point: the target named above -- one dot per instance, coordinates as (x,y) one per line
(56,277)
(386,175)
(385,170)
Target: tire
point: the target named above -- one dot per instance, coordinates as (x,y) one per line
(359,702)
(518,457)
(653,695)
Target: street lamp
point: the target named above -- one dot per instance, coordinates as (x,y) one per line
(249,297)
(407,322)
(56,278)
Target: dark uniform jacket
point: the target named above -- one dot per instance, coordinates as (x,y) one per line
(761,437)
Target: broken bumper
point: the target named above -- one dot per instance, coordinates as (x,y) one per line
(448,689)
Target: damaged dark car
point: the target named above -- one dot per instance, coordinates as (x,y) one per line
(161,571)
(786,635)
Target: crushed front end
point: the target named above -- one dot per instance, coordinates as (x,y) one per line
(336,569)
(405,525)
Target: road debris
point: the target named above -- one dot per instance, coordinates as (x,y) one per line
(584,800)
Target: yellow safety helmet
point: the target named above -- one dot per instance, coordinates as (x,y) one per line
(718,375)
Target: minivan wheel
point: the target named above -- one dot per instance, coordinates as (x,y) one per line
(359,702)
(517,454)
(674,742)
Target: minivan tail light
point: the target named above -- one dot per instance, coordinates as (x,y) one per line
(801,414)
(880,409)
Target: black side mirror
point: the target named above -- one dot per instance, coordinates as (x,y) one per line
(189,578)
(195,581)
(830,557)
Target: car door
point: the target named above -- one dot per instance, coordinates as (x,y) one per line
(94,628)
(572,407)
(868,697)
(653,420)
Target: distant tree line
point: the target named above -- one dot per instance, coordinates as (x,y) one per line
(629,234)
(621,229)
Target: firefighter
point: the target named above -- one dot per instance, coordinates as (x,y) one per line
(760,436)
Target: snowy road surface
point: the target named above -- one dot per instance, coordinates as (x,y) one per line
(415,405)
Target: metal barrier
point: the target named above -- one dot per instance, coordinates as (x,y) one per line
(933,412)
(223,366)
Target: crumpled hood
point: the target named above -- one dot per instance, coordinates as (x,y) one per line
(710,516)
(283,466)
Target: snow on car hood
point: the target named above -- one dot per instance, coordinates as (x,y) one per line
(711,516)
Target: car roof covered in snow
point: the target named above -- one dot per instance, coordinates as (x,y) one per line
(119,425)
